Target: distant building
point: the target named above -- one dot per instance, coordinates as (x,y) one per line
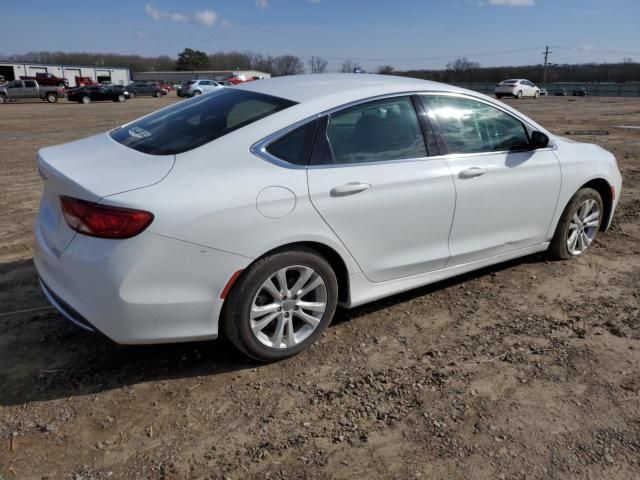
(179,77)
(98,73)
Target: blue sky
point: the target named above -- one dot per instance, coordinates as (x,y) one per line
(402,33)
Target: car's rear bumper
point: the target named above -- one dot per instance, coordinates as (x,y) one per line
(147,289)
(504,91)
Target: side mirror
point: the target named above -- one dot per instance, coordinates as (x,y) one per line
(539,140)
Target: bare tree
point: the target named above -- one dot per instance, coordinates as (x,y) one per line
(231,60)
(385,70)
(349,66)
(288,65)
(462,65)
(317,65)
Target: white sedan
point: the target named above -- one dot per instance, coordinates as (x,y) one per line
(254,211)
(517,88)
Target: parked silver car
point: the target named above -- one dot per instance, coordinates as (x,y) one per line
(198,87)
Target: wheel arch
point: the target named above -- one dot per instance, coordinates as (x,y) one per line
(335,260)
(603,187)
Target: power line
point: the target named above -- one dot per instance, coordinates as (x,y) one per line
(547,52)
(441,57)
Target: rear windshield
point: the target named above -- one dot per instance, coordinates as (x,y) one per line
(192,123)
(510,81)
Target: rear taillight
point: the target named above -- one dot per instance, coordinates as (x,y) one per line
(103,221)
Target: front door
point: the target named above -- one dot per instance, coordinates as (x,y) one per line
(506,192)
(374,185)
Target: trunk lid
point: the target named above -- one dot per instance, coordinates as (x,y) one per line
(90,169)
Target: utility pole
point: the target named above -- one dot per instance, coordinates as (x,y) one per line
(546,54)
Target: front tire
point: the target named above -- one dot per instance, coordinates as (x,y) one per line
(281,304)
(132,94)
(537,94)
(3,99)
(85,100)
(498,96)
(578,225)
(120,99)
(519,94)
(197,92)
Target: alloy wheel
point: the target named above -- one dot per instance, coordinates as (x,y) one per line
(583,227)
(288,307)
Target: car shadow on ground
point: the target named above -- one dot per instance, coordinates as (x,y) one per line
(43,357)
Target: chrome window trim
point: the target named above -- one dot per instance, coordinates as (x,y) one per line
(259,148)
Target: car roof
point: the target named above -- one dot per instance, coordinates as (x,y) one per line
(318,93)
(340,88)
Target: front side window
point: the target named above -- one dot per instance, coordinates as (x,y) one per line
(381,130)
(469,126)
(188,125)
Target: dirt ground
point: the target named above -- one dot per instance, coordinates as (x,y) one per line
(526,370)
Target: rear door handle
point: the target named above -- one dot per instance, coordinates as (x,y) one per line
(350,188)
(473,172)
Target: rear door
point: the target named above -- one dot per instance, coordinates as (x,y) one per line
(102,93)
(373,183)
(30,89)
(506,192)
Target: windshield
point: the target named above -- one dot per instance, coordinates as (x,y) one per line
(192,123)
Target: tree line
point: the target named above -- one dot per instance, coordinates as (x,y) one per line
(460,70)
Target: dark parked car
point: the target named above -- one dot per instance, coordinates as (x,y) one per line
(96,94)
(579,92)
(121,89)
(145,88)
(561,92)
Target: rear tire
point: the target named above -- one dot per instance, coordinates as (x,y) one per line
(3,99)
(289,326)
(578,225)
(120,99)
(498,96)
(132,94)
(197,92)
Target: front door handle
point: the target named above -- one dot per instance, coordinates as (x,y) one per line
(473,172)
(350,188)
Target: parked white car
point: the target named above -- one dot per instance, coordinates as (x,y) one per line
(198,87)
(255,210)
(517,88)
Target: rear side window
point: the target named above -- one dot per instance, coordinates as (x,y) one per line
(381,130)
(469,126)
(295,146)
(193,123)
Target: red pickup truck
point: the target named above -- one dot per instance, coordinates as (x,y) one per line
(48,79)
